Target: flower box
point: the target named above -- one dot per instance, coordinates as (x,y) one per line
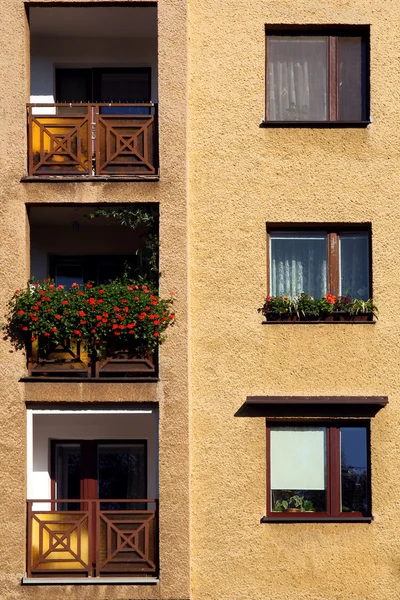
(110,331)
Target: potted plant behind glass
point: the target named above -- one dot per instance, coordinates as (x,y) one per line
(295,503)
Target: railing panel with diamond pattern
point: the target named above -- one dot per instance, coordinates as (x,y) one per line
(92,140)
(92,538)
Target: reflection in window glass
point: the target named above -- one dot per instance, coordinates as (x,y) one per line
(66,275)
(354,265)
(298,469)
(298,264)
(352,79)
(353,458)
(297,78)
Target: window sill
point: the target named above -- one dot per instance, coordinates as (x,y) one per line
(316,519)
(316,124)
(322,322)
(89,580)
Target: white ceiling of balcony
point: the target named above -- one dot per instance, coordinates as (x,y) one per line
(84,21)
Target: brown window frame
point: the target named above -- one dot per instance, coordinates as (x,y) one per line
(333,232)
(333,473)
(333,32)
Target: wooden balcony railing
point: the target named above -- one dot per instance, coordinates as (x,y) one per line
(77,360)
(92,140)
(92,538)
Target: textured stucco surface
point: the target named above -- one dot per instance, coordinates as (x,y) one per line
(241,177)
(172,391)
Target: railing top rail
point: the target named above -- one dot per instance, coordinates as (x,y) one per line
(87,104)
(83,500)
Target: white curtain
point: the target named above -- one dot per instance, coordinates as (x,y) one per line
(298,263)
(297,78)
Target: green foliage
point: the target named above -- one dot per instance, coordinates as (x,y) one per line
(124,310)
(138,219)
(295,502)
(306,307)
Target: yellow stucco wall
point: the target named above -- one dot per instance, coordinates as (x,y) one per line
(241,177)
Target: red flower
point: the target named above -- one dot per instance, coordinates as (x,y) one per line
(121,317)
(101,291)
(131,325)
(98,317)
(145,288)
(64,302)
(81,313)
(60,287)
(75,285)
(91,301)
(116,308)
(58,317)
(115,326)
(35,318)
(105,314)
(83,322)
(33,339)
(46,334)
(35,308)
(80,293)
(131,332)
(154,303)
(142,316)
(89,285)
(54,329)
(21,312)
(78,333)
(330,298)
(51,286)
(49,310)
(157,322)
(93,331)
(124,300)
(135,287)
(117,333)
(153,298)
(122,326)
(24,329)
(129,287)
(100,301)
(17,291)
(136,297)
(172,316)
(156,334)
(104,320)
(126,309)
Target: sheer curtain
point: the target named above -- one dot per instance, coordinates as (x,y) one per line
(298,263)
(297,78)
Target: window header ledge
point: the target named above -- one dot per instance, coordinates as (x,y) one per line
(313,406)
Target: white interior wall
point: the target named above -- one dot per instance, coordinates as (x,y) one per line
(48,53)
(86,425)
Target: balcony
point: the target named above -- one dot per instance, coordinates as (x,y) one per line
(92,538)
(93,93)
(86,141)
(94,472)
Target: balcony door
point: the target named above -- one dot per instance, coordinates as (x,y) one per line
(97,469)
(100,85)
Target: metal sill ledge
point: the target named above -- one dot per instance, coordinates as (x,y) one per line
(89,380)
(317,520)
(316,124)
(318,322)
(90,580)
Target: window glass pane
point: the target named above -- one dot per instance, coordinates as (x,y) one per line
(297,78)
(298,263)
(68,475)
(298,468)
(121,473)
(68,274)
(352,79)
(354,265)
(353,458)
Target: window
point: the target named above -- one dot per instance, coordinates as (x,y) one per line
(318,470)
(317,75)
(319,261)
(66,270)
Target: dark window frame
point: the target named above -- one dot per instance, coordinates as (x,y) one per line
(333,232)
(333,32)
(333,472)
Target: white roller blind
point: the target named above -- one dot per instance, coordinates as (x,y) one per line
(298,458)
